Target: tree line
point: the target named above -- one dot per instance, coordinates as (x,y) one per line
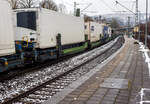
(49,4)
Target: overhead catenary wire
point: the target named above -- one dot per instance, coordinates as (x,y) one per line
(106,5)
(132,6)
(109,7)
(86,7)
(96,7)
(125,7)
(146,24)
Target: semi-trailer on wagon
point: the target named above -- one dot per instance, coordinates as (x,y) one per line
(8,56)
(47,34)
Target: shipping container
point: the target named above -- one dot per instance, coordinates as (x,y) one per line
(7,43)
(109,31)
(41,26)
(94,31)
(105,31)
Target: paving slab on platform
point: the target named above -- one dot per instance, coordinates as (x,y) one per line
(146,95)
(115,83)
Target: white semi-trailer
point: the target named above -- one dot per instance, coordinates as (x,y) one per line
(41,26)
(94,31)
(9,58)
(48,33)
(110,31)
(7,43)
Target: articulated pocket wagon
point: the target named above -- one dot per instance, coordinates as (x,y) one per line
(46,34)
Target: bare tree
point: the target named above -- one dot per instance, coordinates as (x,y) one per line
(27,3)
(13,3)
(87,18)
(49,4)
(114,23)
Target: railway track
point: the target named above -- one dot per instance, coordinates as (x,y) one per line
(29,68)
(39,94)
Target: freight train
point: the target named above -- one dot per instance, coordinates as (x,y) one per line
(37,34)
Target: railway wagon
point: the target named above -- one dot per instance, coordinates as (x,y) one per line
(8,56)
(94,31)
(45,34)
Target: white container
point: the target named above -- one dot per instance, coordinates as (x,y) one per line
(109,31)
(94,31)
(7,43)
(48,24)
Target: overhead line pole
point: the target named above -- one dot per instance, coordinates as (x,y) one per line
(139,38)
(75,5)
(146,24)
(136,19)
(128,25)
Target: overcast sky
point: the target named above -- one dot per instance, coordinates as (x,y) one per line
(103,6)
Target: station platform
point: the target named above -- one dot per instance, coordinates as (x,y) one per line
(121,79)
